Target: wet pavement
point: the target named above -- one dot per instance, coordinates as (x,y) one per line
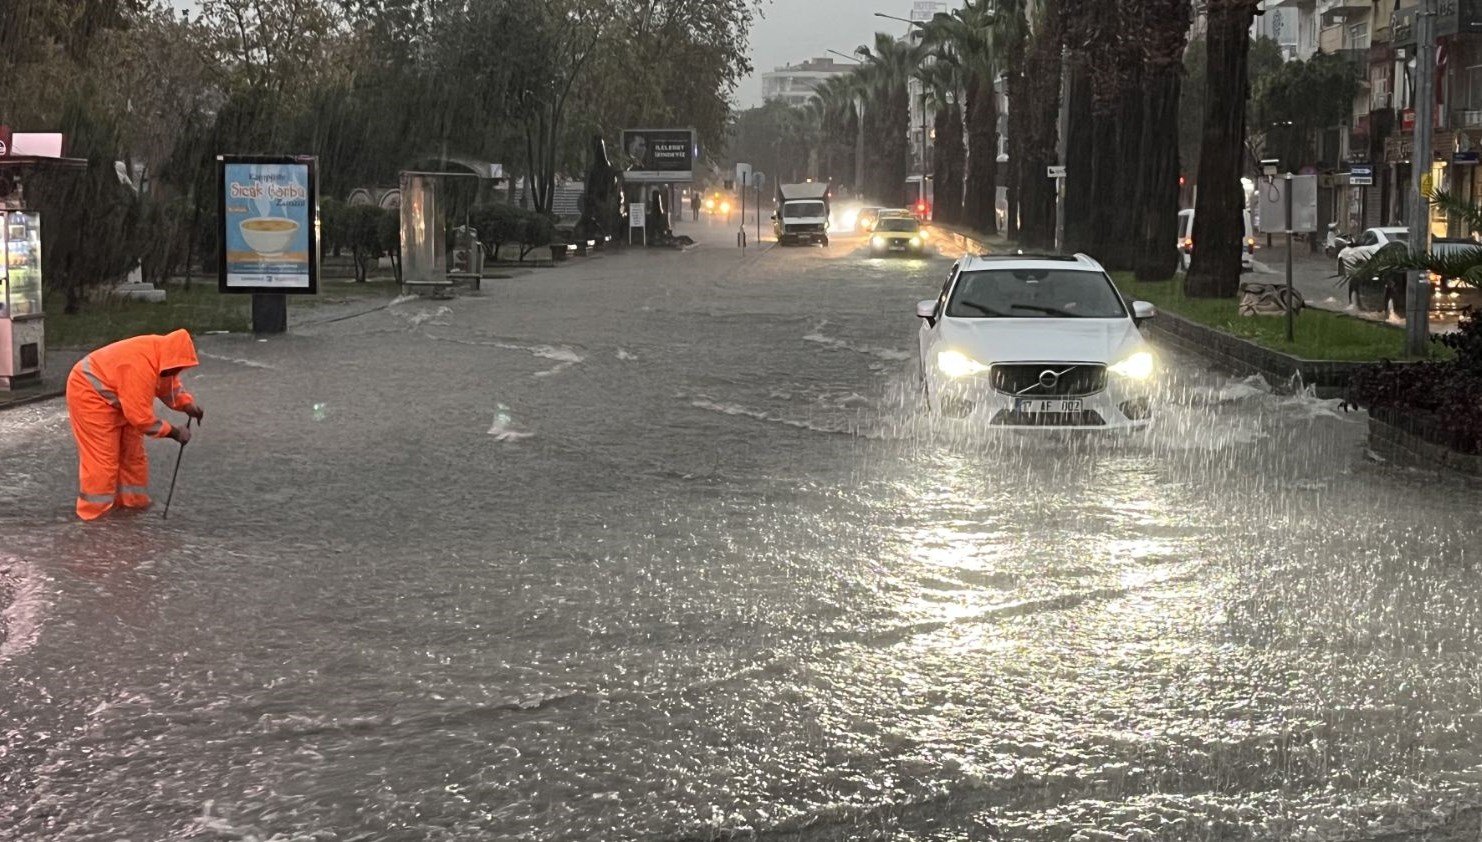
(663,546)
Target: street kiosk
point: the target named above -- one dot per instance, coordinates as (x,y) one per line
(22,321)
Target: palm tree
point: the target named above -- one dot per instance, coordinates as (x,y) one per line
(838,99)
(968,37)
(1215,273)
(884,74)
(942,79)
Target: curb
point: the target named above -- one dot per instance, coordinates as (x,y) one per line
(27,400)
(1283,371)
(1403,441)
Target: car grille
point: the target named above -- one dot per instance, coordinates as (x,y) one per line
(811,228)
(1084,418)
(1071,380)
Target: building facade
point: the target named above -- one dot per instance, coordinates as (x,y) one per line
(795,84)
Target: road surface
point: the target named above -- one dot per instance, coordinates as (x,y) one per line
(662,546)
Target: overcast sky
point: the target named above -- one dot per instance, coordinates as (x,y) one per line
(794,30)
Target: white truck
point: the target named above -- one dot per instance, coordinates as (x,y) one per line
(802,213)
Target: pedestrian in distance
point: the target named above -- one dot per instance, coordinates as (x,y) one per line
(110,399)
(695,204)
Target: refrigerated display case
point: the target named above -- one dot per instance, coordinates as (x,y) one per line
(22,328)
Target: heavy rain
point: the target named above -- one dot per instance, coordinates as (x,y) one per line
(596,503)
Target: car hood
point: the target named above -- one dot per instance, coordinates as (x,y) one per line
(1042,340)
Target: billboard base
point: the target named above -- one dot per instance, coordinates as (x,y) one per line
(269,313)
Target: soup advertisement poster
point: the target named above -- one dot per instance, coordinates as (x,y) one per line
(269,236)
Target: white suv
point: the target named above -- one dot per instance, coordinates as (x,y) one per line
(1036,341)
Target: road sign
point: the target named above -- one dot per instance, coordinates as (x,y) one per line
(1360,175)
(1056,171)
(1303,204)
(758,179)
(743,174)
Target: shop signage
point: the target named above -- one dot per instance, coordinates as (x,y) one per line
(269,231)
(1453,17)
(5,141)
(1360,175)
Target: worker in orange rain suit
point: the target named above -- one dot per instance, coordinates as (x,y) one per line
(110,396)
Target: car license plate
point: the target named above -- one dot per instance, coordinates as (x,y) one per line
(897,246)
(1035,406)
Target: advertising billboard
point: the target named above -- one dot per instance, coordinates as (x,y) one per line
(660,155)
(269,230)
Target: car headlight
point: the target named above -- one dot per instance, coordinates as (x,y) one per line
(878,242)
(1139,366)
(957,364)
(915,242)
(924,235)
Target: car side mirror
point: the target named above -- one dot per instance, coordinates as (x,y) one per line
(1142,311)
(927,310)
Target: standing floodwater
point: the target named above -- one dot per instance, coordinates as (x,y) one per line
(662,546)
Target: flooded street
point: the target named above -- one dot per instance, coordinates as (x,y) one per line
(664,546)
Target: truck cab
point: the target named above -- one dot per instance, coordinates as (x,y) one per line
(802,214)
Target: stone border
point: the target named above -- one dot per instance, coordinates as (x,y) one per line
(1283,371)
(1411,440)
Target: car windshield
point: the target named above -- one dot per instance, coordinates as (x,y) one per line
(1397,236)
(1035,294)
(797,210)
(893,224)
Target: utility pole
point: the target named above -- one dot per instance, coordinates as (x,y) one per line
(1417,298)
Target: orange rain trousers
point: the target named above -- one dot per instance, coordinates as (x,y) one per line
(110,397)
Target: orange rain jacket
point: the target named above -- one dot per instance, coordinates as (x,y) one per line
(110,397)
(127,376)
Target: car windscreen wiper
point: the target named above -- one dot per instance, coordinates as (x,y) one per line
(984,309)
(1049,311)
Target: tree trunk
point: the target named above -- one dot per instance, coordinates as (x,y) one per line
(1166,23)
(1218,223)
(1119,243)
(1041,109)
(957,162)
(1018,128)
(898,163)
(1157,252)
(1080,163)
(940,167)
(981,198)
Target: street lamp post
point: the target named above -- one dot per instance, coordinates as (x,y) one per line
(1417,299)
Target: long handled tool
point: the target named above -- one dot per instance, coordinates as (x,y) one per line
(175,475)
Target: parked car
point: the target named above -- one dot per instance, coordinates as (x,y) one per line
(1186,240)
(1037,341)
(1368,244)
(1385,292)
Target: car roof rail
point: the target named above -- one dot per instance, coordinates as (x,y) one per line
(1020,254)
